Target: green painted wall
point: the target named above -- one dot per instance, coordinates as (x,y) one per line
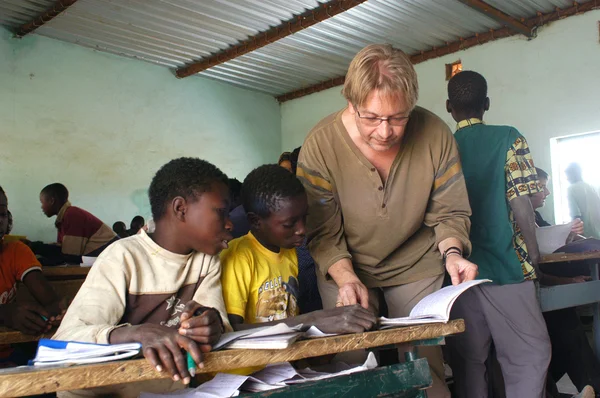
(102,125)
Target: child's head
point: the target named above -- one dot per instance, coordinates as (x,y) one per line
(276,205)
(190,198)
(467,96)
(137,223)
(285,161)
(4,214)
(119,228)
(235,189)
(53,197)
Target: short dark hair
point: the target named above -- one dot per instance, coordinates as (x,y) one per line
(57,191)
(119,227)
(467,91)
(265,186)
(185,177)
(235,187)
(542,175)
(137,222)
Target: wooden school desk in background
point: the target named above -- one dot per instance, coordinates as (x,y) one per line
(27,381)
(65,272)
(66,284)
(574,294)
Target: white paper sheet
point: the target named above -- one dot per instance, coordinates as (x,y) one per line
(313,333)
(222,385)
(551,238)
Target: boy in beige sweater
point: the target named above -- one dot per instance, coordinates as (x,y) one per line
(147,288)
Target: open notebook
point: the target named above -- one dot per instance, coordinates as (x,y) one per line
(433,308)
(56,352)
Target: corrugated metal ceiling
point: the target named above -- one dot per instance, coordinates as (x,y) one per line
(175,33)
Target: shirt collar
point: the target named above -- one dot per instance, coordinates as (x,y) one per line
(468,123)
(61,212)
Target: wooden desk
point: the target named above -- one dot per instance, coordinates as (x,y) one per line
(63,273)
(11,336)
(571,295)
(29,381)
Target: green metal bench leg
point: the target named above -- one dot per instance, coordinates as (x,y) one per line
(411,356)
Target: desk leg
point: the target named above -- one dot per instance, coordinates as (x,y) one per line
(413,355)
(595,276)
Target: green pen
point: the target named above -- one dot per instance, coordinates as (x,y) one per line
(44,318)
(191,364)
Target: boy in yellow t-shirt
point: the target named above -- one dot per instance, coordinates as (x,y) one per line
(260,270)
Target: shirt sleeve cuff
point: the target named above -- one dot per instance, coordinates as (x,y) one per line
(35,268)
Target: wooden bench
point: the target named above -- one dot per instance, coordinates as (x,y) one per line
(30,381)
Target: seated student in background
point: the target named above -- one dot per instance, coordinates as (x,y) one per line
(147,288)
(285,161)
(136,224)
(79,232)
(539,200)
(19,264)
(260,269)
(120,229)
(571,351)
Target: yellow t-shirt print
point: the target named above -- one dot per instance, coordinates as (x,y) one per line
(277,299)
(258,284)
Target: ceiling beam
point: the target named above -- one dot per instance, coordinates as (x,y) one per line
(45,17)
(286,28)
(499,16)
(461,44)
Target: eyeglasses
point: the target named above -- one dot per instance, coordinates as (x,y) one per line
(376,121)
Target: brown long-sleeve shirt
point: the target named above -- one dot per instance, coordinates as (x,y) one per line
(390,231)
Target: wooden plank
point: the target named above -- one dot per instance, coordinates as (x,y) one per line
(68,272)
(571,295)
(401,380)
(565,257)
(499,16)
(11,336)
(18,381)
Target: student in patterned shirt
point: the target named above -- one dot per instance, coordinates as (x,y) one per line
(504,247)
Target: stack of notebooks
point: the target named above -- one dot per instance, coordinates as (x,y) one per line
(56,352)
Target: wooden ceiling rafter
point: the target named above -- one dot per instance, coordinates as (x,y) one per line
(462,44)
(286,28)
(45,17)
(499,16)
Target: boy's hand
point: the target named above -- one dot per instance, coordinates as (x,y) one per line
(162,348)
(26,317)
(58,310)
(205,328)
(349,319)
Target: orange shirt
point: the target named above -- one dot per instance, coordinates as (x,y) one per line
(16,261)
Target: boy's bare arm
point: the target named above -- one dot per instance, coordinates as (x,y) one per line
(45,295)
(348,319)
